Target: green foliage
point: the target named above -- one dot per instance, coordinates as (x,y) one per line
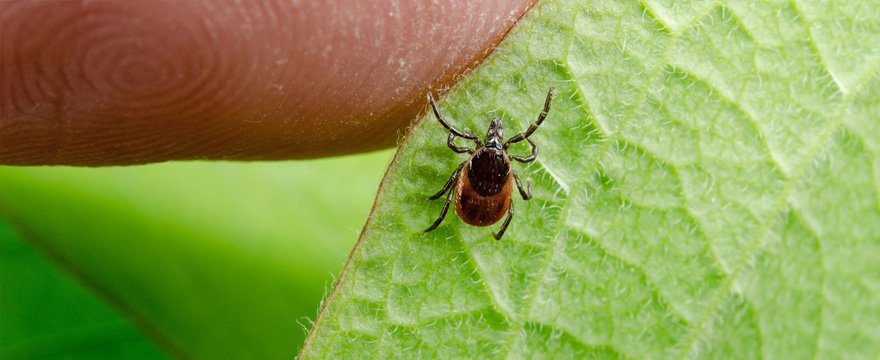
(707,187)
(211,260)
(46,315)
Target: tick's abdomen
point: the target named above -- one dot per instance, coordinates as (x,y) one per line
(483,188)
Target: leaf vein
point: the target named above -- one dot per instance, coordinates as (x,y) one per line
(755,244)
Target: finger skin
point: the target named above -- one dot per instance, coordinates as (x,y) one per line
(103,83)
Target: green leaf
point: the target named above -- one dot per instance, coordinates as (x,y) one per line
(707,187)
(210,260)
(45,314)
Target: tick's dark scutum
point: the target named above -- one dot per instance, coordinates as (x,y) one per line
(488,171)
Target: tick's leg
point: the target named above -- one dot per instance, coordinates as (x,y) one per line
(448,182)
(523,135)
(530,157)
(506,222)
(526,192)
(442,212)
(451,128)
(459,149)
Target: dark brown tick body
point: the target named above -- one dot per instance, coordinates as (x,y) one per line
(484,182)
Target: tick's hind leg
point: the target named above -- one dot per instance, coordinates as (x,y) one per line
(442,212)
(500,232)
(448,182)
(526,192)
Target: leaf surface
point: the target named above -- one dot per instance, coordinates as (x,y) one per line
(707,186)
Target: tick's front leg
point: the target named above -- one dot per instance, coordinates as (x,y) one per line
(531,157)
(534,126)
(449,127)
(459,149)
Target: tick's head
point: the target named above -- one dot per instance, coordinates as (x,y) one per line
(495,135)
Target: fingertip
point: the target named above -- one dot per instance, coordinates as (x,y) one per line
(102,83)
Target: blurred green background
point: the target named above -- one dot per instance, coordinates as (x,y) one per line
(187,259)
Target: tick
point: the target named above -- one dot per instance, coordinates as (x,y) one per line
(484,182)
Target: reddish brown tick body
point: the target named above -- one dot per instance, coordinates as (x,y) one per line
(484,182)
